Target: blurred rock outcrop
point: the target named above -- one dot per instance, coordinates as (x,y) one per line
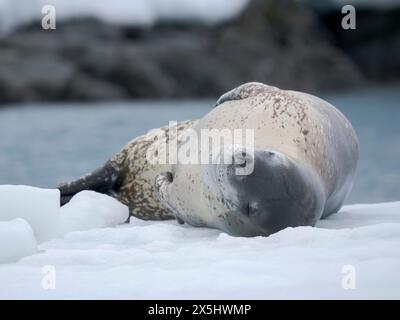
(374,46)
(278,42)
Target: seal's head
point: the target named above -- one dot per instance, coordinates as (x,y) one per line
(277,193)
(274,193)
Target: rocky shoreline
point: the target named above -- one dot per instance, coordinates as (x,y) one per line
(281,43)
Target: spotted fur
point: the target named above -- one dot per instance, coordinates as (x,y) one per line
(136,186)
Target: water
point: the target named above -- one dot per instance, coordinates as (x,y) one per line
(45,144)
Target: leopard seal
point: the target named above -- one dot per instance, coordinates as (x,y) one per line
(304,158)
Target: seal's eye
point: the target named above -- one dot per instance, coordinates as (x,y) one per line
(240,159)
(251,210)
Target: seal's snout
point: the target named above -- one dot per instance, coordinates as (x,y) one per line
(276,195)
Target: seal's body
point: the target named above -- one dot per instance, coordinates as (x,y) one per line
(304,160)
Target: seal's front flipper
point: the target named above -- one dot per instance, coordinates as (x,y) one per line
(245,91)
(161,185)
(101,180)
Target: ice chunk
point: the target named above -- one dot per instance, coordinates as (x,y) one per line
(39,207)
(90,210)
(37,214)
(16,240)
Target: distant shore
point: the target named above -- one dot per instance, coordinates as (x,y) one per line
(284,43)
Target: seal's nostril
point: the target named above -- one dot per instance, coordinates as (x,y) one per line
(251,209)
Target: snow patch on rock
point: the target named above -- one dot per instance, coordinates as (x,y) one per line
(14,13)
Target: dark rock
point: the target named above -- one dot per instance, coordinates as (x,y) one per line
(279,43)
(26,76)
(84,87)
(374,45)
(283,45)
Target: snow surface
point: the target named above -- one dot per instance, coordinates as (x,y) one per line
(150,259)
(14,13)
